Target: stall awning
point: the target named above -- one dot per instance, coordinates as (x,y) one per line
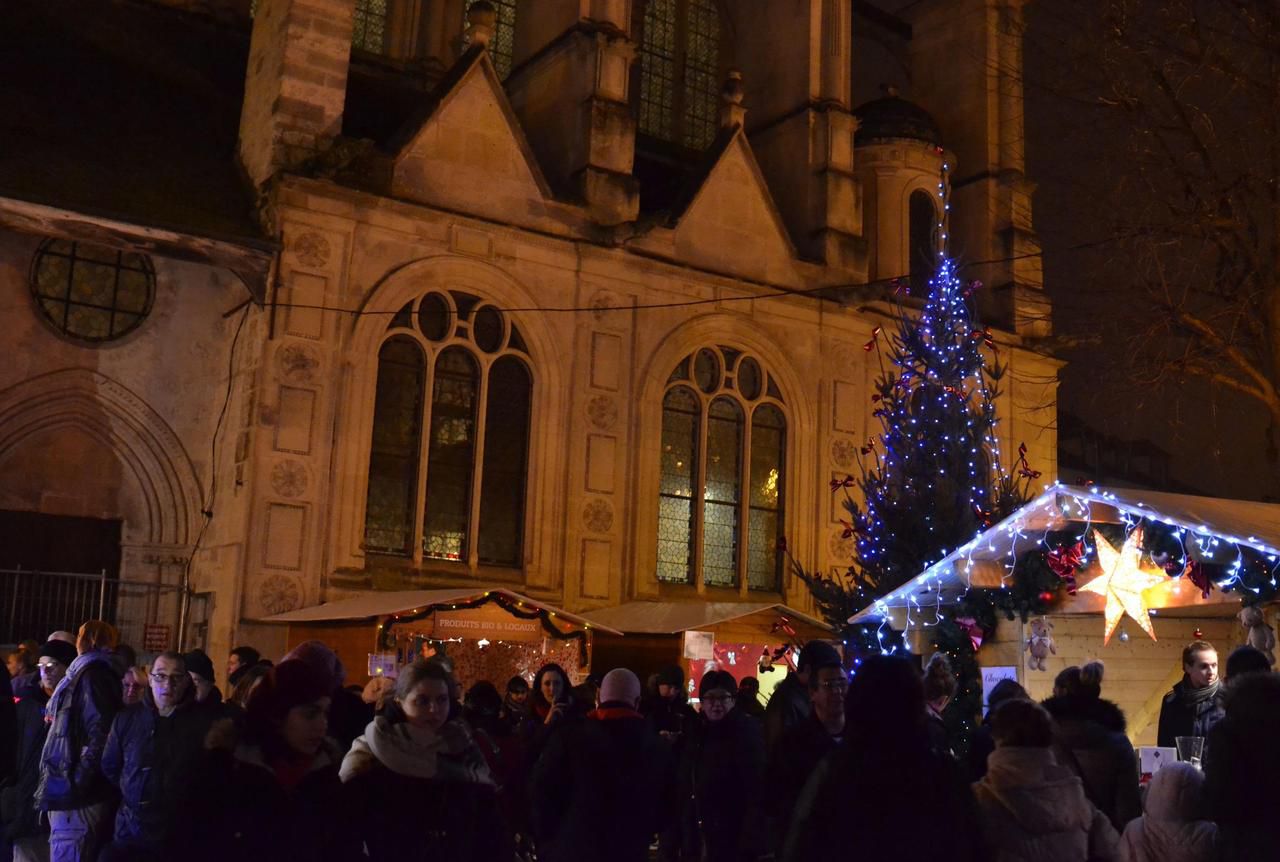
(677,617)
(382,604)
(1255,525)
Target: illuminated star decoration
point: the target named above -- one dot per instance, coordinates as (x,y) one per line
(1124,581)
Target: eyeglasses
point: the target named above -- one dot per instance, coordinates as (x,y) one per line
(717,698)
(171,679)
(47,666)
(837,686)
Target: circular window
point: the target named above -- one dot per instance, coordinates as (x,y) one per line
(486,329)
(433,317)
(92,293)
(706,371)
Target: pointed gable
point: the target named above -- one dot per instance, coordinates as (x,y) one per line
(731,223)
(468,152)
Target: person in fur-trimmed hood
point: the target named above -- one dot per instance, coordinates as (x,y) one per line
(1089,739)
(1031,808)
(1173,828)
(416,783)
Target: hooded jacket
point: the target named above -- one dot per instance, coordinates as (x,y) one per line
(80,715)
(1171,829)
(420,795)
(1089,738)
(1033,810)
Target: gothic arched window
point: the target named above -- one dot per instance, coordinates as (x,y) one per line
(680,61)
(923,239)
(720,506)
(457,369)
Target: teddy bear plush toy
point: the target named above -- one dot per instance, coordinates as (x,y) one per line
(1040,644)
(1258,634)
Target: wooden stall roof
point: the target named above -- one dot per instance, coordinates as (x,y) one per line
(676,617)
(381,604)
(1242,522)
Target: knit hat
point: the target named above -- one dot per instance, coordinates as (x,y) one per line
(59,651)
(322,660)
(291,683)
(65,637)
(671,675)
(620,686)
(815,654)
(720,680)
(198,662)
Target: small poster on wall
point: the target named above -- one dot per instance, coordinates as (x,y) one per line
(699,646)
(990,677)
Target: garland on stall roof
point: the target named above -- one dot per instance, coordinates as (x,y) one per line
(511,606)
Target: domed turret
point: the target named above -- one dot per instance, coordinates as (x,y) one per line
(894,117)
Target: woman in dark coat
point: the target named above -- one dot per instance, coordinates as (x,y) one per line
(1089,739)
(1241,760)
(270,791)
(885,790)
(417,785)
(719,777)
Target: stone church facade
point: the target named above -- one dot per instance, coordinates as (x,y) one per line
(572,296)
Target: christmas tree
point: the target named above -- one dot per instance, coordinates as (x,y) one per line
(931,479)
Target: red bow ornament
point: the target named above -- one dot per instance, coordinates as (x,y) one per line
(970,626)
(1064,561)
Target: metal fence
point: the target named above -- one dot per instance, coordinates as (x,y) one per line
(33,604)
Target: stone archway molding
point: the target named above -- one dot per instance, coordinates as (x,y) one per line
(121,420)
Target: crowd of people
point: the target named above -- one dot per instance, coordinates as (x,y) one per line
(106,761)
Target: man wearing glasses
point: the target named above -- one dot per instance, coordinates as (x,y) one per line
(802,747)
(151,754)
(22,827)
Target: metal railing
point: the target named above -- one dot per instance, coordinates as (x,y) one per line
(34,603)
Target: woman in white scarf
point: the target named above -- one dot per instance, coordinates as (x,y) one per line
(418,783)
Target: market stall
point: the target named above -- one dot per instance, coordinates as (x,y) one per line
(759,639)
(1122,575)
(487,633)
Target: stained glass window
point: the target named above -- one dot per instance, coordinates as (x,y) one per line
(721,476)
(451,455)
(503,43)
(430,350)
(92,293)
(681,412)
(768,440)
(506,445)
(680,71)
(369,26)
(722,493)
(397,439)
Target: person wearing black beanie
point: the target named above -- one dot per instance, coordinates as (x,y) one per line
(720,774)
(667,710)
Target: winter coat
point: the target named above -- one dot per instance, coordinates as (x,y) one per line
(16,810)
(1185,712)
(719,778)
(8,727)
(1241,761)
(791,763)
(1033,810)
(151,758)
(884,796)
(939,734)
(1171,830)
(70,765)
(981,743)
(1089,739)
(597,790)
(788,706)
(417,795)
(241,811)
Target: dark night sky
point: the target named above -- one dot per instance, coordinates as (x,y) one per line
(1076,157)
